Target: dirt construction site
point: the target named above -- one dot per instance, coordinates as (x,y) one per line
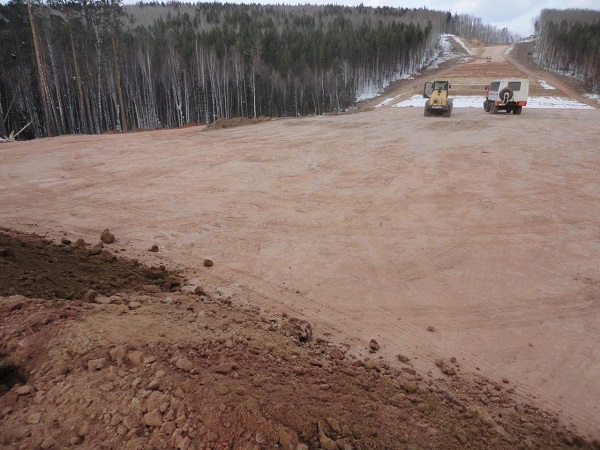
(372,280)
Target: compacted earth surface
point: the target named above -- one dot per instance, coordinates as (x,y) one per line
(100,351)
(377,280)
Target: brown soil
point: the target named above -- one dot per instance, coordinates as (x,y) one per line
(186,371)
(36,268)
(235,122)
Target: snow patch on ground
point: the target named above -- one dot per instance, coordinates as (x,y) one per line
(475,101)
(368,92)
(593,97)
(546,85)
(387,101)
(447,54)
(461,43)
(556,102)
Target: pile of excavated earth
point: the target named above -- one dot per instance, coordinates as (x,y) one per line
(98,351)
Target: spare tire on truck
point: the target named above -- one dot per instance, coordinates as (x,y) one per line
(503,92)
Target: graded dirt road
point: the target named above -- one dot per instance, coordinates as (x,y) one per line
(372,225)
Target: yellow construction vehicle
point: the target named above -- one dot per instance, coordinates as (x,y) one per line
(438,102)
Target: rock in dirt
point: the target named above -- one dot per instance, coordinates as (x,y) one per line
(225,368)
(34,418)
(107,237)
(154,385)
(154,418)
(409,386)
(134,305)
(184,443)
(76,440)
(403,358)
(96,364)
(371,364)
(288,439)
(334,435)
(430,328)
(373,346)
(48,443)
(118,354)
(207,263)
(300,328)
(103,300)
(336,353)
(96,249)
(25,390)
(153,249)
(136,357)
(446,369)
(90,296)
(184,364)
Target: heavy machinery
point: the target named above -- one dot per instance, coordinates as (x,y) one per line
(438,102)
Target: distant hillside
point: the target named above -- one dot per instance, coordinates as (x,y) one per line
(91,67)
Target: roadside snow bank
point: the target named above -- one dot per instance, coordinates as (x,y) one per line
(461,43)
(593,97)
(474,101)
(545,84)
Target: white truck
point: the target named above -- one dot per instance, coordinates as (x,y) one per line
(506,94)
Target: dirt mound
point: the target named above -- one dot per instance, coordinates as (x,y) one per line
(235,122)
(35,267)
(185,371)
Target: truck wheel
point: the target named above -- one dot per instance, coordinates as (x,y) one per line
(427,113)
(494,109)
(447,113)
(486,106)
(517,110)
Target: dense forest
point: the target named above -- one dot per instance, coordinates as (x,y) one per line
(569,42)
(85,66)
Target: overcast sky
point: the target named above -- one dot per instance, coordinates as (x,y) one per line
(516,15)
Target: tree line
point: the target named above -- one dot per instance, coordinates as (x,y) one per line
(91,66)
(470,27)
(569,41)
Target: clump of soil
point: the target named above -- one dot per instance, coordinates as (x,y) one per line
(174,370)
(38,268)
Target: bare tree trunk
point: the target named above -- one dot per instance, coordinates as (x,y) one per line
(3,132)
(118,80)
(40,72)
(254,58)
(84,104)
(59,117)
